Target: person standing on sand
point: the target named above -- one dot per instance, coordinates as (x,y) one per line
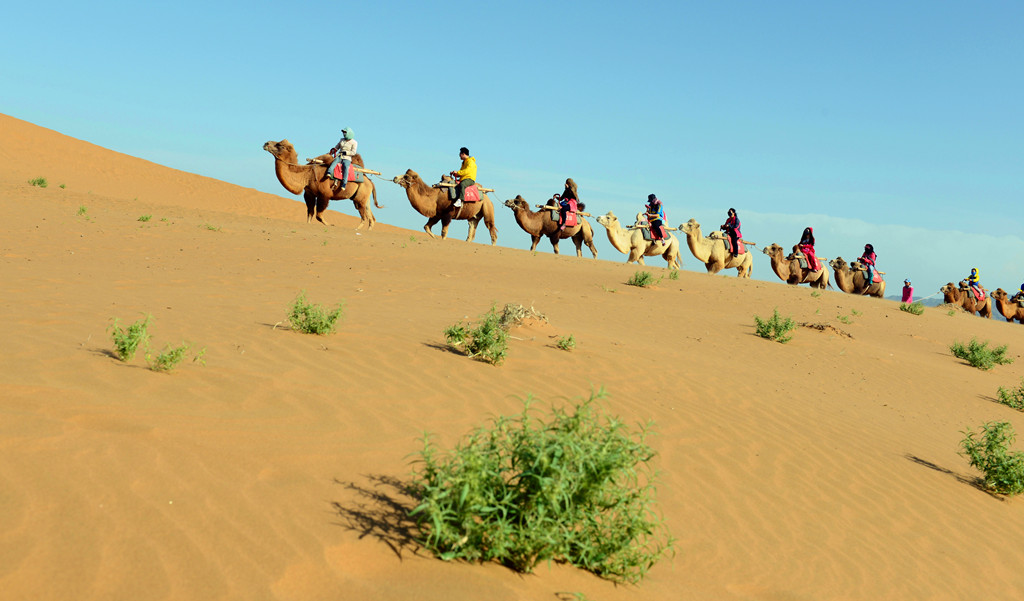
(465,177)
(908,292)
(343,152)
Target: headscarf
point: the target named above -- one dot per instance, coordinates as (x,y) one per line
(808,235)
(348,134)
(570,186)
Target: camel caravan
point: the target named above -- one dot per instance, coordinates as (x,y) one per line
(342,175)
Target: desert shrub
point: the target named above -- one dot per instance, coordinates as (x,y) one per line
(988,450)
(127,340)
(775,328)
(488,340)
(979,355)
(38,181)
(145,218)
(83,211)
(513,314)
(167,359)
(566,343)
(575,488)
(673,275)
(915,308)
(313,319)
(642,279)
(1012,397)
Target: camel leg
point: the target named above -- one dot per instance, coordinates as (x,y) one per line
(446,220)
(430,224)
(310,199)
(536,239)
(472,228)
(554,243)
(321,206)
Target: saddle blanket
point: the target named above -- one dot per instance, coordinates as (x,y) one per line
(353,175)
(571,219)
(979,293)
(728,246)
(472,194)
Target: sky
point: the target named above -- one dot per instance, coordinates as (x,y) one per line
(892,123)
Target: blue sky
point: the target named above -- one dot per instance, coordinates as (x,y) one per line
(898,124)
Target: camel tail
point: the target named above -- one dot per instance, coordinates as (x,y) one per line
(375,203)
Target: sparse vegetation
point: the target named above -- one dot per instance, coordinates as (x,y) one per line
(1012,397)
(815,294)
(915,308)
(39,182)
(576,487)
(127,340)
(673,275)
(488,340)
(211,227)
(566,343)
(642,279)
(775,328)
(167,359)
(977,354)
(83,211)
(145,218)
(313,319)
(989,451)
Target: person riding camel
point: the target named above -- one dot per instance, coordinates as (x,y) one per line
(974,281)
(807,247)
(465,177)
(656,218)
(732,228)
(343,152)
(568,202)
(868,259)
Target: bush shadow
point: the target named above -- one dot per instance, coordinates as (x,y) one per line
(977,483)
(381,510)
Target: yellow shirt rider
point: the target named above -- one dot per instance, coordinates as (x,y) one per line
(466,176)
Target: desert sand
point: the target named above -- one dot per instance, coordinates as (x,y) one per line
(825,468)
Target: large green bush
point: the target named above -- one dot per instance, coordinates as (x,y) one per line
(979,355)
(989,451)
(575,488)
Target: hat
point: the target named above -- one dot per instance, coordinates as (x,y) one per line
(907,281)
(651,198)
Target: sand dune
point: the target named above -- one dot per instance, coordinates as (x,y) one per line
(825,468)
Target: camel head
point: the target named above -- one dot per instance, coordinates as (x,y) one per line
(774,250)
(999,294)
(948,289)
(691,227)
(282,151)
(517,203)
(407,179)
(609,220)
(838,264)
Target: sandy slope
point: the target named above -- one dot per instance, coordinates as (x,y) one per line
(825,468)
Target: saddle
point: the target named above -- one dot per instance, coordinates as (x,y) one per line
(876,278)
(353,175)
(472,194)
(728,246)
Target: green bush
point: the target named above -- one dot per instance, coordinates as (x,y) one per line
(38,181)
(774,328)
(127,340)
(313,319)
(1012,397)
(576,488)
(642,279)
(979,355)
(566,343)
(145,217)
(989,452)
(488,340)
(915,308)
(167,359)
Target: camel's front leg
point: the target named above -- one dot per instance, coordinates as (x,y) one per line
(430,224)
(310,199)
(535,239)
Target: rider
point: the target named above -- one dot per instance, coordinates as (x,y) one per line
(343,152)
(732,229)
(568,202)
(465,177)
(807,247)
(974,280)
(656,218)
(868,259)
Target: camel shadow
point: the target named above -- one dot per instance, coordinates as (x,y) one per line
(382,512)
(973,482)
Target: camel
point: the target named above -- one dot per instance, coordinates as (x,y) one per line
(711,251)
(1010,309)
(631,243)
(852,279)
(788,269)
(962,297)
(312,182)
(434,204)
(540,223)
